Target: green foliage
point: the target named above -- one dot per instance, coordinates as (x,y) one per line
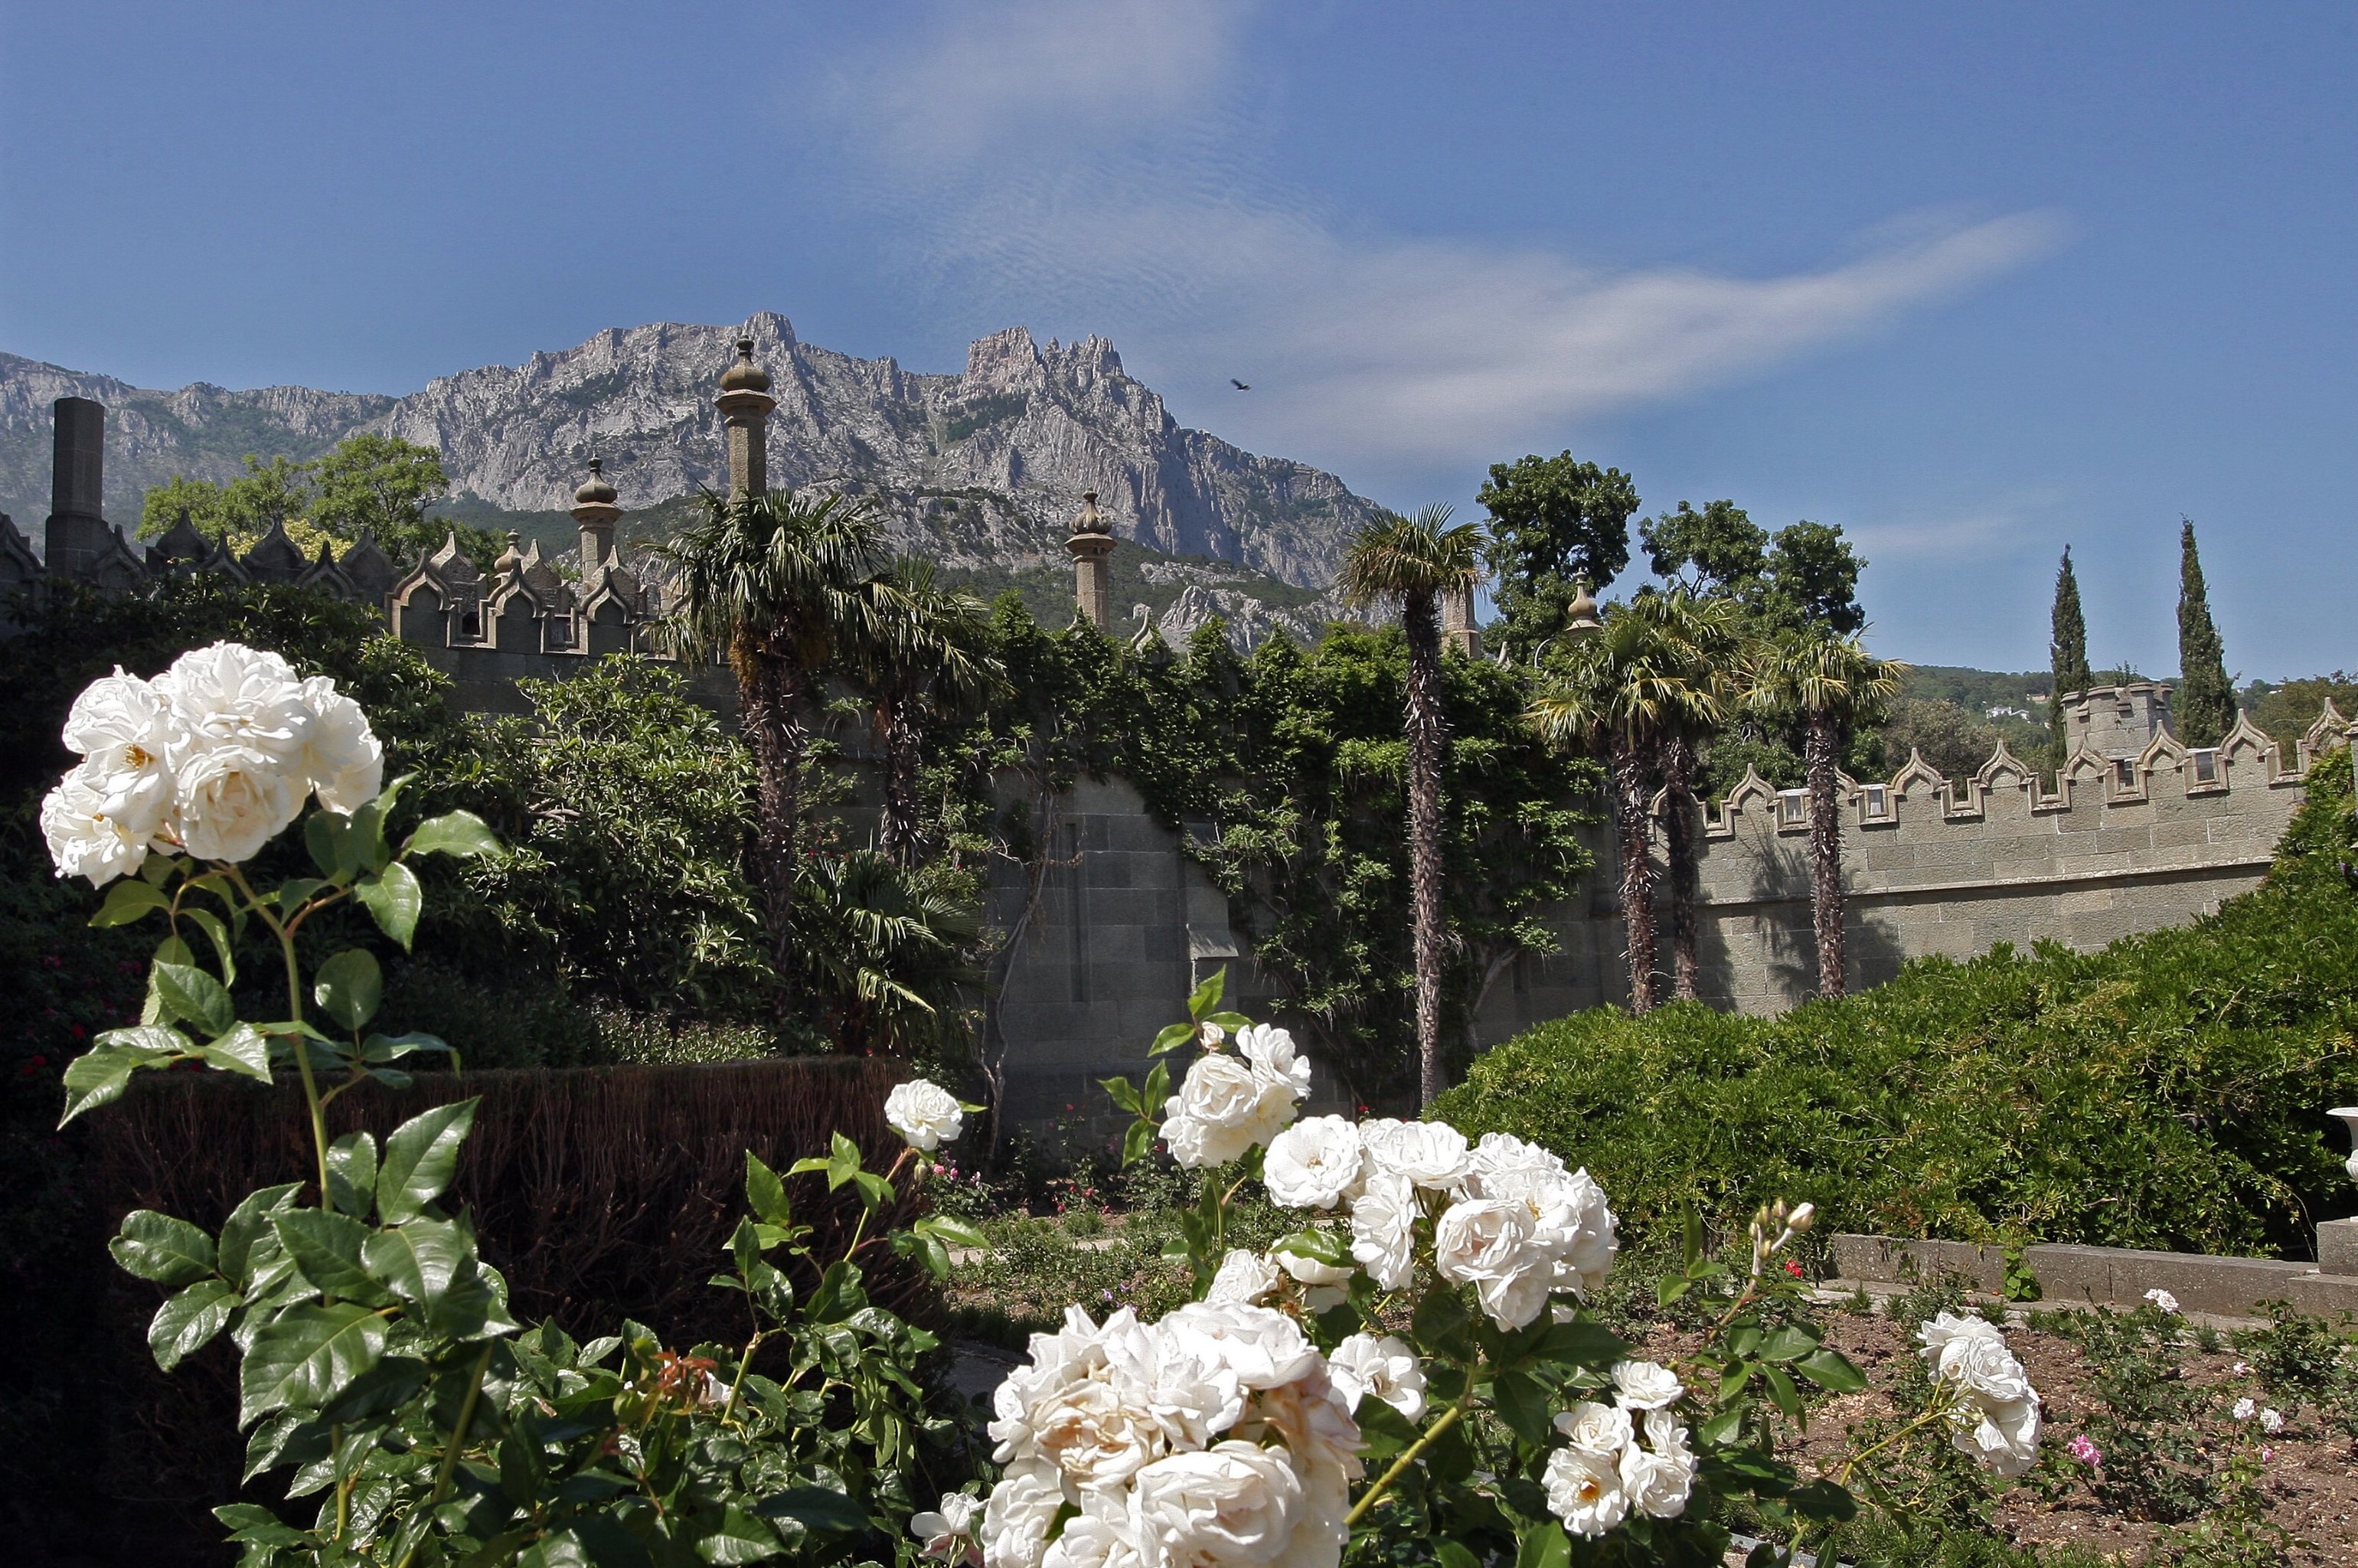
(2067,652)
(379,483)
(2180,1074)
(1805,577)
(2287,709)
(2204,705)
(1553,522)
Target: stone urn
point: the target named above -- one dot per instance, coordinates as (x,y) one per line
(2347,1115)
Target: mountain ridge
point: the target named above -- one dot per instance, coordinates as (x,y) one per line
(981,469)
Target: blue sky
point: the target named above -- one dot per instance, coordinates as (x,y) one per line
(1971,283)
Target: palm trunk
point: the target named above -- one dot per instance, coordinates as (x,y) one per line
(773,725)
(1425,742)
(1629,766)
(1825,852)
(1679,850)
(897,833)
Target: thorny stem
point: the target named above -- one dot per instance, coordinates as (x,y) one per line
(1449,1418)
(285,932)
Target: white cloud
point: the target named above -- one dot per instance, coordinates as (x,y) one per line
(1980,533)
(1098,164)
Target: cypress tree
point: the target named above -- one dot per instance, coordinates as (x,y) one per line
(2068,654)
(2206,703)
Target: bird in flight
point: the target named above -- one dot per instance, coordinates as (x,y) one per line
(1240,385)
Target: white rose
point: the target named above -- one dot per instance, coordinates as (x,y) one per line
(1324,1282)
(1271,1051)
(1236,1503)
(1646,1385)
(1664,1430)
(2245,1408)
(1971,1353)
(1383,1229)
(2163,1300)
(1263,1347)
(1016,1518)
(1593,1428)
(2001,1434)
(86,838)
(1243,1276)
(1571,1221)
(1482,1238)
(924,1114)
(1315,1163)
(342,756)
(1585,1491)
(1515,1301)
(1386,1368)
(1224,1107)
(2272,1422)
(231,695)
(124,729)
(944,1531)
(231,801)
(1656,1485)
(1102,1535)
(1084,1404)
(1433,1154)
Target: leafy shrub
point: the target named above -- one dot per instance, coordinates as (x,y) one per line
(2167,1091)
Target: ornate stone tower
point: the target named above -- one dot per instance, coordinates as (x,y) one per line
(1090,543)
(595,511)
(1457,627)
(77,528)
(745,403)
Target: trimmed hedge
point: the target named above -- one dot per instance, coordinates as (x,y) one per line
(2167,1091)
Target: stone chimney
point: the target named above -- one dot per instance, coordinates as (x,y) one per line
(77,528)
(745,403)
(1090,543)
(1457,627)
(595,511)
(2116,721)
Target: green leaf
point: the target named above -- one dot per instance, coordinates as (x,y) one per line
(1782,1392)
(739,1537)
(419,1260)
(393,897)
(1320,1244)
(172,1252)
(420,1158)
(244,1050)
(1545,1547)
(1822,1500)
(193,996)
(249,1223)
(1582,1345)
(329,836)
(290,1437)
(218,933)
(1454,1554)
(352,1174)
(459,833)
(874,1190)
(815,1509)
(100,1074)
(391,1047)
(349,986)
(1441,1320)
(326,1246)
(1124,1095)
(1787,1343)
(1691,1238)
(251,1524)
(1137,1142)
(308,1356)
(1206,996)
(1523,1404)
(766,1194)
(186,1323)
(843,1162)
(1719,1430)
(289,895)
(1831,1370)
(127,900)
(957,1232)
(159,869)
(1171,1036)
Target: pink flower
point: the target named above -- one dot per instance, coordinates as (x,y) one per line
(2084,1449)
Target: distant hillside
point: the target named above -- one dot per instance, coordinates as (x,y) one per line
(981,470)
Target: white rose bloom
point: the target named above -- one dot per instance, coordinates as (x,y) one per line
(1271,1051)
(2272,1422)
(944,1531)
(1646,1385)
(1383,1229)
(342,756)
(1103,1535)
(1571,1221)
(1015,1519)
(1585,1491)
(86,838)
(1433,1154)
(1087,1405)
(1243,1276)
(1664,1430)
(125,731)
(1386,1368)
(2163,1300)
(1237,1503)
(1597,1429)
(1997,1418)
(1315,1163)
(1264,1348)
(232,800)
(1224,1105)
(926,1115)
(1310,1271)
(231,695)
(2003,1435)
(2245,1408)
(1656,1485)
(1487,1243)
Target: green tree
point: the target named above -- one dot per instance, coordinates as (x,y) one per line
(1805,575)
(931,658)
(1553,521)
(1830,684)
(2206,698)
(1702,687)
(2067,652)
(777,584)
(277,493)
(386,485)
(1412,562)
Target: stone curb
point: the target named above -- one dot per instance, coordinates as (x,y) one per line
(2105,1276)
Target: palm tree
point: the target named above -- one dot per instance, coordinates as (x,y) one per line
(1639,693)
(885,950)
(1412,562)
(1829,683)
(1700,685)
(930,659)
(777,584)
